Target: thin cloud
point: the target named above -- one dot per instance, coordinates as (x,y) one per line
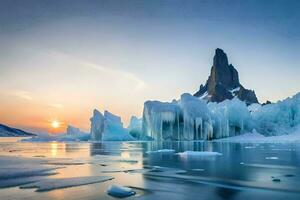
(22,94)
(140,84)
(56,105)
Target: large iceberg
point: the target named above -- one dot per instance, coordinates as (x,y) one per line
(161,120)
(191,118)
(108,127)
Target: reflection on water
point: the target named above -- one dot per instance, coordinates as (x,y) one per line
(242,172)
(54,149)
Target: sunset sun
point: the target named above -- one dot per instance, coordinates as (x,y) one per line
(55,124)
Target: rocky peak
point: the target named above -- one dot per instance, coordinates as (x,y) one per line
(223,82)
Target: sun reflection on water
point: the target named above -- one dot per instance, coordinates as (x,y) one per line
(54,149)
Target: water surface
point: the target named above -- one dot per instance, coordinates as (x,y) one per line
(243,171)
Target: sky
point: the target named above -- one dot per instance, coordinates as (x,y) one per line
(59,60)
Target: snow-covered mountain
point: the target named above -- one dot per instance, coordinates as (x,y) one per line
(6,131)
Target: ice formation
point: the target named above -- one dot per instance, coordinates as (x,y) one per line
(108,127)
(192,118)
(135,127)
(278,118)
(71,130)
(120,191)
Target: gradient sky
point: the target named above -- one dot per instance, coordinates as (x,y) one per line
(61,59)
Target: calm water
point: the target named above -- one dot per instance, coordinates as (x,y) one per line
(244,171)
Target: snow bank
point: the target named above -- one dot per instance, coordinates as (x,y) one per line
(254,137)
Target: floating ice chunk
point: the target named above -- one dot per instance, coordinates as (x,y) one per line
(52,184)
(271,158)
(120,191)
(17,172)
(163,151)
(198,170)
(199,153)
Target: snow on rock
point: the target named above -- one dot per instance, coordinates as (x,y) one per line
(58,183)
(108,127)
(120,191)
(199,153)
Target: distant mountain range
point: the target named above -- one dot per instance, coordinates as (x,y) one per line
(223,83)
(6,131)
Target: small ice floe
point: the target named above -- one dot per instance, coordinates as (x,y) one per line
(250,147)
(116,170)
(167,170)
(272,158)
(120,191)
(162,151)
(58,183)
(198,170)
(199,153)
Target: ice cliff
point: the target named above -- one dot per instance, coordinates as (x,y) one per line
(191,118)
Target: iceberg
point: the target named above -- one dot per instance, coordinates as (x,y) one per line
(71,130)
(135,127)
(108,127)
(73,134)
(278,118)
(161,120)
(192,118)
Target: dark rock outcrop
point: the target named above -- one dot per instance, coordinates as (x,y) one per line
(6,131)
(223,82)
